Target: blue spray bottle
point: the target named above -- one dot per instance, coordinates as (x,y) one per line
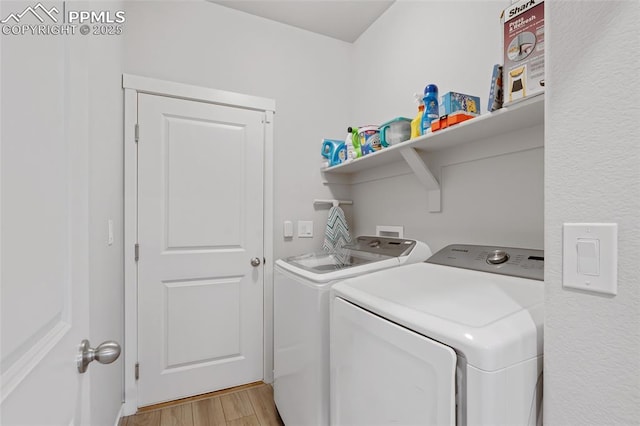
(431,111)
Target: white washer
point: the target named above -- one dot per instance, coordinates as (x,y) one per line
(301,319)
(455,341)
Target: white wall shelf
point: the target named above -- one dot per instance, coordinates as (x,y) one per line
(525,114)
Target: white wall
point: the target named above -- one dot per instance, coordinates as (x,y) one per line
(592,167)
(307,74)
(487,200)
(451,44)
(106,290)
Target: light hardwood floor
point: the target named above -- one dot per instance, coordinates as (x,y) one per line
(250,405)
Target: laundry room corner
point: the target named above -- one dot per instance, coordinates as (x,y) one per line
(503,173)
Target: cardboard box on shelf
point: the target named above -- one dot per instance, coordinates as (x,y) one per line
(453,102)
(523,70)
(449,120)
(495,92)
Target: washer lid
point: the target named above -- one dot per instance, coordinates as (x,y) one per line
(365,254)
(325,267)
(494,321)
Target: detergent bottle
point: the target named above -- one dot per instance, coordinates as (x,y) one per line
(416,123)
(335,151)
(431,110)
(369,139)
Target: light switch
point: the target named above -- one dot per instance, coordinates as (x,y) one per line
(288,229)
(305,229)
(590,257)
(110,232)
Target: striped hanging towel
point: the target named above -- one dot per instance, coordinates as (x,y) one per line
(337,233)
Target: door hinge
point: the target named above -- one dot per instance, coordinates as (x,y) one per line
(137,370)
(266,119)
(137,252)
(137,132)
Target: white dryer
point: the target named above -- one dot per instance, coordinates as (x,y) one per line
(454,341)
(301,319)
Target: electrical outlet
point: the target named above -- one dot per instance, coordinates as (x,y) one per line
(305,229)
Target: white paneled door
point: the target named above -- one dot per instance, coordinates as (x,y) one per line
(45,231)
(200,235)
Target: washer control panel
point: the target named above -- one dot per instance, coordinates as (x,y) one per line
(516,262)
(392,247)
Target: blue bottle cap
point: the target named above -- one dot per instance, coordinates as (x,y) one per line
(431,88)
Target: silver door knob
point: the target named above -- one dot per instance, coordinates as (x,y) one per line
(255,262)
(105,353)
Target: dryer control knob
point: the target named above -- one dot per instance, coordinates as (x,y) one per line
(497,257)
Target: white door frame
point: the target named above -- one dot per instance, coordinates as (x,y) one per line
(133,85)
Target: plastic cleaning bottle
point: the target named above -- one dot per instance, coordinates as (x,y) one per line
(416,123)
(348,141)
(431,111)
(335,151)
(355,141)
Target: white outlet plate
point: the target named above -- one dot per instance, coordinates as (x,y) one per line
(288,229)
(590,257)
(305,229)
